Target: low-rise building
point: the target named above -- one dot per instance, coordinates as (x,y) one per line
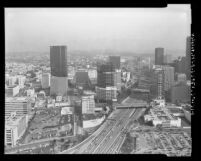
(160,115)
(20,105)
(12,90)
(30,92)
(88,104)
(21,80)
(181,77)
(45,80)
(14,129)
(12,80)
(105,94)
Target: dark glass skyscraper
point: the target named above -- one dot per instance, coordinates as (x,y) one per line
(105,75)
(107,80)
(59,70)
(58,61)
(115,60)
(159,56)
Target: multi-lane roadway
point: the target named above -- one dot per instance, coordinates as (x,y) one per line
(110,136)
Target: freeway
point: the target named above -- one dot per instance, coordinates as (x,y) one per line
(110,136)
(115,139)
(106,126)
(104,140)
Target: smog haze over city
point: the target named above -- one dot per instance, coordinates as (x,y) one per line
(136,30)
(98,81)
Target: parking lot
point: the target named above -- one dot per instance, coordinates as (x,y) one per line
(169,143)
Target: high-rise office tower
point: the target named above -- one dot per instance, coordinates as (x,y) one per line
(159,77)
(81,79)
(106,88)
(105,75)
(167,59)
(179,65)
(168,77)
(188,57)
(59,70)
(115,60)
(159,56)
(117,79)
(182,65)
(180,93)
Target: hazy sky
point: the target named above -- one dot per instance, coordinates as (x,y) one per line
(122,29)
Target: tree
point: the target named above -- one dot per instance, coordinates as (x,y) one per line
(159,127)
(62,140)
(128,92)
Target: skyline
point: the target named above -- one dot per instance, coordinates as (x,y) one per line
(117,29)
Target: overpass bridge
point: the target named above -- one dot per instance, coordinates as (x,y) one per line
(130,106)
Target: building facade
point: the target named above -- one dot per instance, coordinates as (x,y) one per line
(115,60)
(167,59)
(105,75)
(168,77)
(160,115)
(12,80)
(181,77)
(106,94)
(20,105)
(12,91)
(88,104)
(117,79)
(180,93)
(30,92)
(159,81)
(81,79)
(59,70)
(14,129)
(107,82)
(159,56)
(45,80)
(21,80)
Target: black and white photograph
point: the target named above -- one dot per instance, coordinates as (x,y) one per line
(98,80)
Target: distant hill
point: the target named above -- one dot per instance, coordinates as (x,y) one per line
(174,53)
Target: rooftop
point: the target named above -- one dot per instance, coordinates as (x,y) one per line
(82,77)
(13,121)
(9,87)
(17,99)
(140,90)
